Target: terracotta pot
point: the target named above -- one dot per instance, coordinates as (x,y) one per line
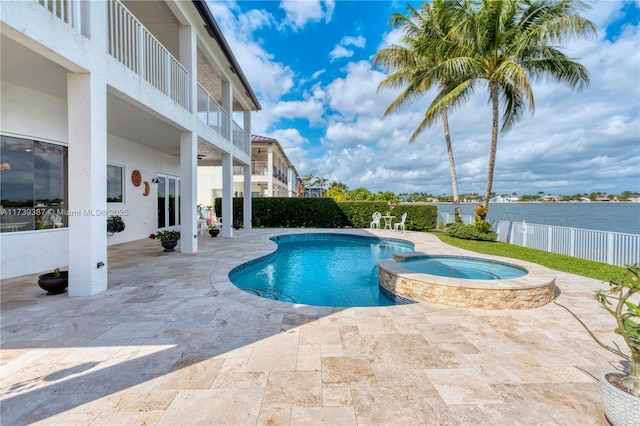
(169,245)
(52,284)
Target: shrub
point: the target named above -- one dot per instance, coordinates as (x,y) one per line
(272,212)
(469,232)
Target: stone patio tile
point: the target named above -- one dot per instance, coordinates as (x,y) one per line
(411,351)
(347,371)
(293,389)
(462,386)
(275,353)
(241,380)
(336,416)
(308,357)
(213,406)
(336,396)
(399,405)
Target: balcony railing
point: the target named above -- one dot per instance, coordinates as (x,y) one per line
(210,111)
(67,10)
(136,48)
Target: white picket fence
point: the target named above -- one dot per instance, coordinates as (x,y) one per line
(614,248)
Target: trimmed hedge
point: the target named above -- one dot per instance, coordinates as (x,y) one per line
(275,212)
(469,232)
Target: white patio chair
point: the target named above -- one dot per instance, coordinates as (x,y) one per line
(400,224)
(375,223)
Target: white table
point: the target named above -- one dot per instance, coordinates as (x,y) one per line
(387,222)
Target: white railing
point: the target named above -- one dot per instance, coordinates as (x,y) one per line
(137,49)
(614,248)
(66,10)
(210,111)
(450,217)
(240,138)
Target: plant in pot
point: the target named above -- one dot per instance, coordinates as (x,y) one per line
(214,230)
(55,282)
(168,238)
(620,392)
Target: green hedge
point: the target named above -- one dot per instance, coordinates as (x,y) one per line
(326,213)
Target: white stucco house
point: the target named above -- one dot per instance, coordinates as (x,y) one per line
(106,109)
(272,174)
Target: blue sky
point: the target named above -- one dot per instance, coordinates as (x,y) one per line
(309,62)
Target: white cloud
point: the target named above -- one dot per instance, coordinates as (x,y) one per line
(353,41)
(300,12)
(340,52)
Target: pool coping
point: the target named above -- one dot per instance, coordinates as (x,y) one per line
(536,288)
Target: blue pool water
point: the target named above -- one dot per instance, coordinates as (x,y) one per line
(463,267)
(321,270)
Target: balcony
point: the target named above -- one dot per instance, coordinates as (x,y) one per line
(137,49)
(131,44)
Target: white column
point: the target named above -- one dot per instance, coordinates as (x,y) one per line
(189,149)
(227,195)
(227,163)
(270,170)
(188,190)
(87,115)
(246,206)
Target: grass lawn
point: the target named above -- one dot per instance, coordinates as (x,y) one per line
(559,262)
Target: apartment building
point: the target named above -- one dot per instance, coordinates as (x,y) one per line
(272,174)
(107,107)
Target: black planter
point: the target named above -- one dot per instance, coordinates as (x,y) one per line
(169,245)
(52,284)
(214,232)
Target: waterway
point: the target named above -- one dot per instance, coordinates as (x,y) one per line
(612,217)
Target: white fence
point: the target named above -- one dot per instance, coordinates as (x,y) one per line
(614,248)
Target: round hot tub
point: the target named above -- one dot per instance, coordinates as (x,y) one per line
(471,282)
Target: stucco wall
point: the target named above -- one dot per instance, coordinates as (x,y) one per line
(141,212)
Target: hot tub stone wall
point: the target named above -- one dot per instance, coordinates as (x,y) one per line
(468,297)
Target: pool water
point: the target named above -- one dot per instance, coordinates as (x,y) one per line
(321,270)
(463,267)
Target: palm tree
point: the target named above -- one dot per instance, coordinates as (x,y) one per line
(504,43)
(431,24)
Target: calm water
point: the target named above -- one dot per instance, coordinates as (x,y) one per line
(614,217)
(463,267)
(320,270)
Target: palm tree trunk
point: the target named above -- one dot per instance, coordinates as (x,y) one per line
(452,166)
(495,100)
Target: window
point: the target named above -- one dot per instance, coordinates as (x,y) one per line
(114,184)
(33,185)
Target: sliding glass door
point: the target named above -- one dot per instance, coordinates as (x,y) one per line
(168,201)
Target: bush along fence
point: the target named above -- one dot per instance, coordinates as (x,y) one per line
(275,212)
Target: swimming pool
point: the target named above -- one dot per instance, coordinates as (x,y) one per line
(320,269)
(464,267)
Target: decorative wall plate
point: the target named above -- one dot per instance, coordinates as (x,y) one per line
(136,177)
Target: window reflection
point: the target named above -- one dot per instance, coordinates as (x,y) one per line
(33,185)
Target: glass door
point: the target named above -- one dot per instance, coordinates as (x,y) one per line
(168,201)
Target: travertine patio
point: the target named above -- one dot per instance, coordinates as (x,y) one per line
(172,341)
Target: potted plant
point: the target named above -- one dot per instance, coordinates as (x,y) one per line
(213,230)
(168,238)
(115,224)
(55,282)
(620,391)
